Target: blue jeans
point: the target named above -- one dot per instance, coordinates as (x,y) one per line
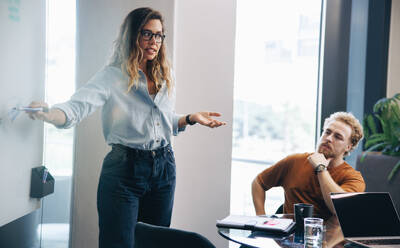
(135,185)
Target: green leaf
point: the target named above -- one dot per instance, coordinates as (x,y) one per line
(388,150)
(377,135)
(372,141)
(397,96)
(394,170)
(396,114)
(385,127)
(371,124)
(366,128)
(382,130)
(396,108)
(396,132)
(373,148)
(380,104)
(395,136)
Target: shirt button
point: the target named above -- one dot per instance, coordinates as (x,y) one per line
(158,123)
(158,140)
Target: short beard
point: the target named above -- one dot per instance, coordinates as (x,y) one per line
(327,153)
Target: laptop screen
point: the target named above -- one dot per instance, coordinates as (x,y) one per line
(366,214)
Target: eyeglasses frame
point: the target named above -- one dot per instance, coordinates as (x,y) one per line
(152,35)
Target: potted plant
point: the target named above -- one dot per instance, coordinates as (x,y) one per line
(384,137)
(381,158)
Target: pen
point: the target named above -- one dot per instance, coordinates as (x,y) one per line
(45,172)
(28,109)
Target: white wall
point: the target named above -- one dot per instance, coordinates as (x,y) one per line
(204,56)
(97,27)
(22,77)
(393,81)
(204,63)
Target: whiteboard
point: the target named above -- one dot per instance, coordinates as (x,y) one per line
(22,77)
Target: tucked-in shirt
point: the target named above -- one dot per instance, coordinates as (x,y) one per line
(131,118)
(296,175)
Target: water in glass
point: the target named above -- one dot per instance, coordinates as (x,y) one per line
(313,232)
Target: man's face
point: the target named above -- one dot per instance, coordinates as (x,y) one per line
(335,140)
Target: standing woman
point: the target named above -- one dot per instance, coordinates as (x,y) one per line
(137,93)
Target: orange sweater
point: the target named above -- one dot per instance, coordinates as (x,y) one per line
(296,175)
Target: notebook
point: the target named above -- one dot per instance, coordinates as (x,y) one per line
(258,223)
(368,219)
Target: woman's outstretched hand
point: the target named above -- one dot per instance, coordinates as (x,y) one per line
(205,119)
(39,115)
(53,116)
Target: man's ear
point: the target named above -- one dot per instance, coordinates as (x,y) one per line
(348,148)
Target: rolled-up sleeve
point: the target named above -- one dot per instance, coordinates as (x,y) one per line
(86,100)
(175,124)
(175,116)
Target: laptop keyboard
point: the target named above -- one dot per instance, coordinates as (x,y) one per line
(380,242)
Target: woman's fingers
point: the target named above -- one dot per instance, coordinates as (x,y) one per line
(37,115)
(37,104)
(214,114)
(215,123)
(205,119)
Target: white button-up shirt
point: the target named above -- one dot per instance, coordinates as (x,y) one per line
(131,118)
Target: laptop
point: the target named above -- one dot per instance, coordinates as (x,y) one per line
(368,219)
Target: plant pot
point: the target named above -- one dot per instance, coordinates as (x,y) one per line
(375,170)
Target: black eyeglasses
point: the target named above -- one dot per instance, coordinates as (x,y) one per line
(148,35)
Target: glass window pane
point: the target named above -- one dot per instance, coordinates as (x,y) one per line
(275,91)
(58,149)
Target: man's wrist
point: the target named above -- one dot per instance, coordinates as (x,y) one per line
(319,168)
(260,212)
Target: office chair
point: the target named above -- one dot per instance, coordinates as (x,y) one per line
(150,236)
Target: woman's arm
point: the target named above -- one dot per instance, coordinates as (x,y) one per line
(53,116)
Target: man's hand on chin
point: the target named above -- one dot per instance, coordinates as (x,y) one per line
(318,158)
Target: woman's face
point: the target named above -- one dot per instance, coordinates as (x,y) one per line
(151,38)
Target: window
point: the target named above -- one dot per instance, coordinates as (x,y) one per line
(275,91)
(58,148)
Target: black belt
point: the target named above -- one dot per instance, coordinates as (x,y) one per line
(146,153)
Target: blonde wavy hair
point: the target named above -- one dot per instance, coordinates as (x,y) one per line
(127,53)
(357,132)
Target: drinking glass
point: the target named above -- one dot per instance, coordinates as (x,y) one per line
(313,232)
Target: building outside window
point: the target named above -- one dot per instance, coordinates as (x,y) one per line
(58,144)
(275,91)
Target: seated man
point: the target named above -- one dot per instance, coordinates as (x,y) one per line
(311,177)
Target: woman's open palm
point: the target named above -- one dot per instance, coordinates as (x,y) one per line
(205,119)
